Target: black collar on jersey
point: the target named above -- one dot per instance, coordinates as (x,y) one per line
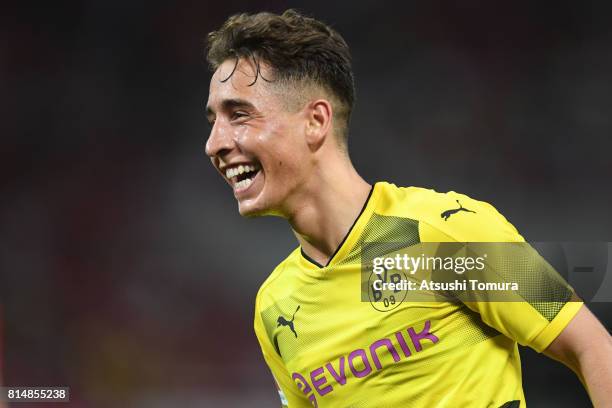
(312,261)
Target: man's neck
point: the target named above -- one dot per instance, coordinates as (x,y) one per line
(327,212)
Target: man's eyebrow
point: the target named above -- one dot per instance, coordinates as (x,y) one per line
(228,104)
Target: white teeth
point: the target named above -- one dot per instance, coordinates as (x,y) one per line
(243,184)
(236,171)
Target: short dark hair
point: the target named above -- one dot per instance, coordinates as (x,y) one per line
(296,47)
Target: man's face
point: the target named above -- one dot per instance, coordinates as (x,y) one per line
(257,142)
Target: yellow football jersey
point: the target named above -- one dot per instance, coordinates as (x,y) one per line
(328,348)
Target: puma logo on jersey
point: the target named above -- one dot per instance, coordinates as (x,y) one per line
(289,323)
(511,404)
(452,211)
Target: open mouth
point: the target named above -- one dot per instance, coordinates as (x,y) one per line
(241,176)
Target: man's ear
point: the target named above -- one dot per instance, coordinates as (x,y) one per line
(319,123)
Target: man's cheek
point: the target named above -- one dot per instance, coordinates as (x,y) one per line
(240,135)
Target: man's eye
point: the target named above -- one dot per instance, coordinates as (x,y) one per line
(239,115)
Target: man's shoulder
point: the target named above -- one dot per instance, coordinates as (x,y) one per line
(425,203)
(422,200)
(447,216)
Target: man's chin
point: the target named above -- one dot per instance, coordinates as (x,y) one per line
(249,209)
(248,213)
(252,208)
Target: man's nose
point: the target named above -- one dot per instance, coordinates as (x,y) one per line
(219,141)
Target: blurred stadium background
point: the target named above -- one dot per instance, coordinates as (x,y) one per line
(125,270)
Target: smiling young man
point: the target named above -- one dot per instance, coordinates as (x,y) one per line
(280,101)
